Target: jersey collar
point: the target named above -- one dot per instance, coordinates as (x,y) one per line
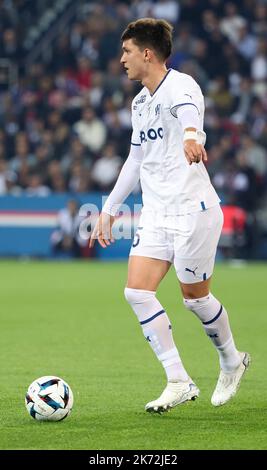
(159,85)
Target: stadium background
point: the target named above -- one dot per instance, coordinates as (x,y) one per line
(64,133)
(65,110)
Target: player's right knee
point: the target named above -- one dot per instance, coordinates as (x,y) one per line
(138,296)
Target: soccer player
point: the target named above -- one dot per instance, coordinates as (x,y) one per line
(181,218)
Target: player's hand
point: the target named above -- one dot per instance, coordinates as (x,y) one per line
(194,152)
(103,231)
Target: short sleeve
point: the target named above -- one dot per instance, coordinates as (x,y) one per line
(187,93)
(135,139)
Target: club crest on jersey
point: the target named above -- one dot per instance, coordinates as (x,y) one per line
(157,110)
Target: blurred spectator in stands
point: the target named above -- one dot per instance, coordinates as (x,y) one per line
(8,180)
(109,43)
(231,22)
(35,186)
(63,56)
(9,46)
(61,139)
(65,81)
(259,68)
(243,101)
(76,37)
(23,156)
(65,240)
(191,67)
(184,40)
(220,96)
(113,78)
(97,90)
(200,53)
(90,130)
(56,132)
(112,121)
(142,8)
(263,136)
(216,159)
(209,30)
(106,169)
(2,151)
(247,43)
(259,23)
(6,15)
(256,157)
(124,115)
(83,73)
(3,173)
(235,67)
(47,139)
(167,9)
(23,174)
(79,178)
(90,49)
(42,155)
(35,129)
(124,15)
(257,118)
(53,173)
(59,184)
(236,183)
(76,153)
(246,194)
(182,47)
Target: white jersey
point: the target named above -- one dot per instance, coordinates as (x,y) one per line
(169,184)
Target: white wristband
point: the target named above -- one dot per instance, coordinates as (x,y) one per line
(190,135)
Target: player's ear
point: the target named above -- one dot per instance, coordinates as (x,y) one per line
(147,55)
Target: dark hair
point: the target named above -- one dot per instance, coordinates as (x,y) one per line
(149,32)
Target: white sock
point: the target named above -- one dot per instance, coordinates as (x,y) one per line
(215,321)
(157,331)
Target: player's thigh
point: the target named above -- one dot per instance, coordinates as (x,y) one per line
(146,273)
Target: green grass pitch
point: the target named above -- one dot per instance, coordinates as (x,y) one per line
(70,319)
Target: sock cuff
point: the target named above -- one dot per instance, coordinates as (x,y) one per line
(208,309)
(140,290)
(200,300)
(137,296)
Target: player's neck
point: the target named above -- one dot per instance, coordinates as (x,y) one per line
(152,80)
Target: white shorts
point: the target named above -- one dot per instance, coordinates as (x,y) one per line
(190,246)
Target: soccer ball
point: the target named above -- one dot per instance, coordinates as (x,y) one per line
(49,398)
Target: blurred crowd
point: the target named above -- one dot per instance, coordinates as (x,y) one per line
(65,123)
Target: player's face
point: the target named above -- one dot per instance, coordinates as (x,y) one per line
(133,60)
